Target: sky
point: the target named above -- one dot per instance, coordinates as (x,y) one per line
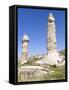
(34,22)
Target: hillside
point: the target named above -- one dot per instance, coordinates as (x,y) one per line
(37,71)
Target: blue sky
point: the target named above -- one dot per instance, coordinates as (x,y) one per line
(34,23)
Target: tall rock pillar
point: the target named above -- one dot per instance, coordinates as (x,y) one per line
(53,55)
(25,42)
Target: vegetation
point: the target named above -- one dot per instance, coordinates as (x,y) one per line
(62,52)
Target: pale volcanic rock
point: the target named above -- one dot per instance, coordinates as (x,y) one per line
(53,56)
(25,42)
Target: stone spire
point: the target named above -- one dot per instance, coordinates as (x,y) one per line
(53,56)
(51,33)
(25,42)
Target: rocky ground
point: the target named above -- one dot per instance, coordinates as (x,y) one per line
(33,70)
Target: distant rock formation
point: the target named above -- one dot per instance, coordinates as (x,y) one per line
(25,42)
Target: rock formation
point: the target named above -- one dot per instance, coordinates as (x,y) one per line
(53,55)
(25,42)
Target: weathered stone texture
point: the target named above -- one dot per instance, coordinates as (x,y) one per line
(53,56)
